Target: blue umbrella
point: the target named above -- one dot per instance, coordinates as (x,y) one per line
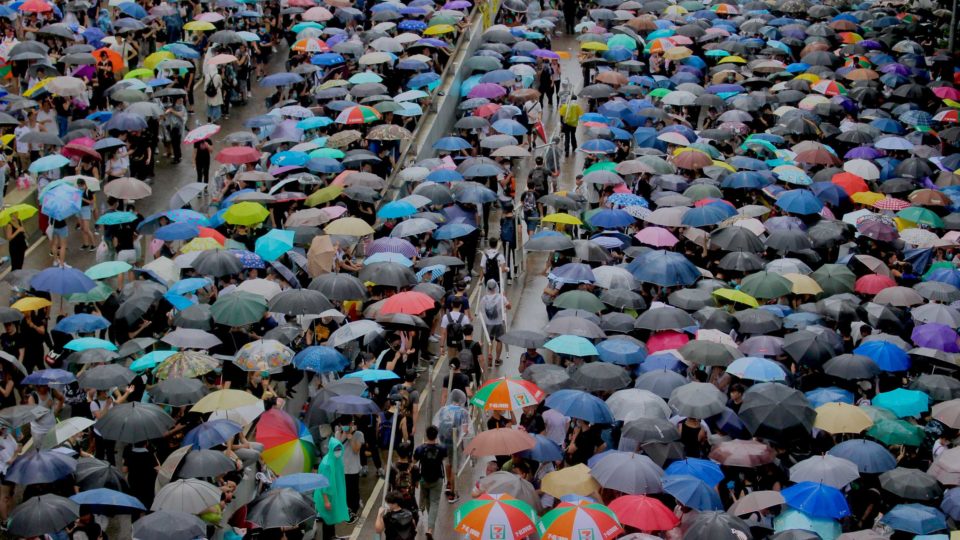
(744,180)
(817,499)
(314,122)
(915,518)
(103,500)
(951,503)
(150,360)
(756,369)
(274,244)
(182,50)
(799,201)
(372,375)
(704,469)
(473,193)
(944,275)
(481,170)
(46,377)
(396,209)
(573,273)
(453,230)
(289,158)
(887,355)
(544,450)
(60,202)
(443,176)
(509,127)
(62,280)
(48,163)
(664,268)
(41,467)
(663,361)
(423,80)
(708,214)
(189,285)
(831,394)
(81,322)
(388,257)
(177,231)
(211,433)
(621,352)
(325,165)
(598,146)
(125,121)
(870,457)
(829,193)
(579,404)
(281,79)
(791,519)
(611,219)
(693,492)
(571,345)
(132,9)
(320,359)
(903,402)
(87,343)
(301,482)
(451,144)
(327,59)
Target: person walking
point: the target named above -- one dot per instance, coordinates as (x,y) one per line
(429,458)
(570,113)
(492,305)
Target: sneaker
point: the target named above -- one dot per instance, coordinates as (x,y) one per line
(452,498)
(364,471)
(380,473)
(353,518)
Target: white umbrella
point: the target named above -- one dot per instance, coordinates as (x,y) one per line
(862,168)
(189,496)
(634,403)
(64,430)
(831,470)
(263,287)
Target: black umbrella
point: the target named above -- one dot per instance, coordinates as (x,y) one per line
(709,353)
(524,338)
(712,318)
(758,321)
(699,400)
(339,287)
(664,318)
(300,302)
(135,307)
(91,356)
(776,411)
(661,382)
(551,242)
(169,525)
(742,261)
(601,376)
(93,473)
(616,322)
(549,377)
(178,392)
(661,452)
(134,346)
(622,299)
(809,348)
(911,484)
(645,430)
(279,508)
(106,377)
(9,315)
(196,316)
(134,422)
(939,387)
(41,515)
(691,299)
(852,367)
(205,464)
(21,415)
(590,251)
(388,274)
(716,526)
(789,240)
(217,263)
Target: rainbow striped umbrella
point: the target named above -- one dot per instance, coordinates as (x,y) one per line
(359,114)
(581,520)
(288,445)
(496,516)
(505,394)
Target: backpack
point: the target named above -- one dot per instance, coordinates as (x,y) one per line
(455,330)
(211,89)
(538,177)
(431,463)
(491,269)
(529,200)
(399,525)
(491,308)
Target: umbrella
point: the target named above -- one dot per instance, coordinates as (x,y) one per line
(644,513)
(841,418)
(816,499)
(911,484)
(915,518)
(187,495)
(868,456)
(42,514)
(903,402)
(716,525)
(288,445)
(792,519)
(742,453)
(506,394)
(134,422)
(775,410)
(499,442)
(281,507)
(168,525)
(692,492)
(756,501)
(697,400)
(93,473)
(40,467)
(583,518)
(579,404)
(495,516)
(628,472)
(827,469)
(103,500)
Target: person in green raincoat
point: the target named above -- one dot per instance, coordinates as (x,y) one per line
(331,501)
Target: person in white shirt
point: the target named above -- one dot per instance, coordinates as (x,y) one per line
(8,452)
(556,426)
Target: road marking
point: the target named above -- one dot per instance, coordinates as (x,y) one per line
(367,508)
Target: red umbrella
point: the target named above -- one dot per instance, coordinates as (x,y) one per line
(644,513)
(35,6)
(207,232)
(850,182)
(238,155)
(666,339)
(410,302)
(742,453)
(818,156)
(79,150)
(873,284)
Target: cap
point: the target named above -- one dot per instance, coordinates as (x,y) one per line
(491,284)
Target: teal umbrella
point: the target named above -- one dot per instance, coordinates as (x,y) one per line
(572,345)
(116,218)
(239,308)
(903,402)
(48,163)
(274,244)
(791,519)
(150,360)
(107,269)
(84,343)
(97,294)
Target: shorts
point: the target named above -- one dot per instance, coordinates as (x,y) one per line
(496,330)
(62,232)
(213,112)
(85,213)
(127,256)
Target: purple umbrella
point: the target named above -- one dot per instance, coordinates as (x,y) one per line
(863,152)
(392,245)
(545,53)
(85,72)
(784,223)
(878,230)
(936,336)
(457,4)
(287,130)
(487,90)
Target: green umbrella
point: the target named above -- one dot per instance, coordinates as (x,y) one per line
(107,269)
(97,294)
(937,266)
(657,163)
(579,300)
(601,166)
(444,19)
(239,308)
(892,432)
(764,285)
(922,216)
(834,278)
(703,191)
(622,40)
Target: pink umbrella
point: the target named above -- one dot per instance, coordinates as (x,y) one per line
(209,17)
(657,237)
(333,211)
(487,90)
(621,188)
(665,340)
(318,14)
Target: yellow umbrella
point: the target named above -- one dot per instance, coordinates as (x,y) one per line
(33,89)
(139,73)
(223,400)
(22,211)
(675,10)
(803,284)
(812,78)
(323,195)
(569,480)
(724,165)
(31,303)
(951,103)
(245,213)
(333,83)
(842,418)
(154,59)
(736,296)
(594,46)
(677,53)
(439,29)
(733,59)
(7,139)
(867,197)
(349,226)
(200,244)
(199,26)
(563,218)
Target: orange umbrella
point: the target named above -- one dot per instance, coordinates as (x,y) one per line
(207,232)
(342,177)
(850,182)
(409,302)
(115,59)
(35,6)
(500,442)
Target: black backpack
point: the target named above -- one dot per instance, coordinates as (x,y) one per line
(454,330)
(211,89)
(431,463)
(491,270)
(399,525)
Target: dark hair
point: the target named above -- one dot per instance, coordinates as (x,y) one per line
(456,303)
(493,242)
(405,449)
(454,363)
(432,433)
(394,497)
(737,387)
(468,330)
(410,376)
(233,476)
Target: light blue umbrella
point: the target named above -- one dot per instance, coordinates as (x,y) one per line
(579,404)
(301,482)
(791,519)
(387,257)
(189,285)
(396,209)
(830,394)
(81,322)
(693,492)
(320,359)
(103,500)
(915,518)
(756,369)
(62,280)
(621,352)
(704,469)
(51,162)
(572,345)
(799,201)
(453,230)
(903,402)
(664,268)
(372,375)
(61,202)
(274,244)
(150,360)
(117,218)
(86,343)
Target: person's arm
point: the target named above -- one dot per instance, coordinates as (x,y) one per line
(7,388)
(379,526)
